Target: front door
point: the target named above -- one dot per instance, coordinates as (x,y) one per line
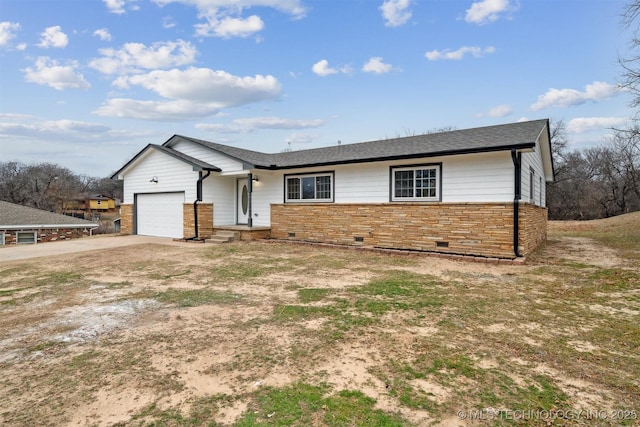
(242,201)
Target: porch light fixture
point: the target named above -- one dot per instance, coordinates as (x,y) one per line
(154,180)
(255,178)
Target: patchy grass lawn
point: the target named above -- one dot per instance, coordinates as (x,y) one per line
(266,334)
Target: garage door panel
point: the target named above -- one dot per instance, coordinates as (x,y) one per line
(160,214)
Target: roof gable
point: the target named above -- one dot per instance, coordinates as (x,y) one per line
(198,165)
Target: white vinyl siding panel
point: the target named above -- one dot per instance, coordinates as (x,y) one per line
(221,191)
(160,214)
(227,164)
(483,177)
(486,177)
(533,161)
(173,175)
(269,189)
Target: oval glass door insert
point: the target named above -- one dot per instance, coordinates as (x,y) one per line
(245,199)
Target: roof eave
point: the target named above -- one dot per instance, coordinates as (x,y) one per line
(522,146)
(46,226)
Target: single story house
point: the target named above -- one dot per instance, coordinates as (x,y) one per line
(21,224)
(476,191)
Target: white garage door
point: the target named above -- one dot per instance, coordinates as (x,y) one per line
(160,214)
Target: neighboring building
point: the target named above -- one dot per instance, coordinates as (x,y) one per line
(93,206)
(475,192)
(21,224)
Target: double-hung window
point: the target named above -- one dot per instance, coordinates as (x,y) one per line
(415,183)
(316,187)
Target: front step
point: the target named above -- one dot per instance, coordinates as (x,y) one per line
(224,236)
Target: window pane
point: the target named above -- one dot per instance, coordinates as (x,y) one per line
(323,187)
(426,183)
(293,188)
(309,187)
(403,183)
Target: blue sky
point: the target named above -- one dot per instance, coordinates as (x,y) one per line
(88,83)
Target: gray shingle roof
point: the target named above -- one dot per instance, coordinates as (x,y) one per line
(196,163)
(483,139)
(12,215)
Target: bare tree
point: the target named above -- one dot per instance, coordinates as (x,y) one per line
(49,186)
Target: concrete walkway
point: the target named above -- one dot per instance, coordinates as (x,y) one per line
(18,252)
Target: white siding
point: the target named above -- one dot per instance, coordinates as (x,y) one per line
(225,163)
(173,175)
(269,189)
(485,177)
(220,190)
(533,161)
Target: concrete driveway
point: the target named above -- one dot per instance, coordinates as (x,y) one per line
(18,252)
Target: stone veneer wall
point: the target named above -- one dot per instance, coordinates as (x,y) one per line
(205,220)
(533,227)
(126,219)
(48,235)
(483,229)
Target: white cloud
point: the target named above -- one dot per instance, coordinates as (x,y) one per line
(168,22)
(103,33)
(596,91)
(228,27)
(246,125)
(206,85)
(115,6)
(322,68)
(301,138)
(156,110)
(485,11)
(395,12)
(498,111)
(375,65)
(135,57)
(588,124)
(7,32)
(224,18)
(194,92)
(456,55)
(49,72)
(53,37)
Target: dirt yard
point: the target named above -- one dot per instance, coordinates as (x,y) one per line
(279,334)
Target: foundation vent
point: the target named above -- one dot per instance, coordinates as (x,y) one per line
(359,239)
(292,234)
(442,244)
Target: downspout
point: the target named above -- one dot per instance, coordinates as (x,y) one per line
(517,163)
(250,190)
(198,199)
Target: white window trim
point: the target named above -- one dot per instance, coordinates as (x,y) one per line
(331,176)
(35,237)
(2,238)
(436,166)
